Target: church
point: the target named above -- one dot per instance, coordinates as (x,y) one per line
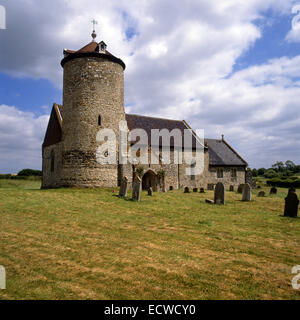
(93,98)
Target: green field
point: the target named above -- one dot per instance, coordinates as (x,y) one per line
(89,244)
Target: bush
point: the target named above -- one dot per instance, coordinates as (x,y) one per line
(30,172)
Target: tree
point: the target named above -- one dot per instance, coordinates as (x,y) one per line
(278,166)
(261,171)
(254,172)
(290,165)
(29,172)
(270,173)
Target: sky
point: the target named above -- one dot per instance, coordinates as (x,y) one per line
(226,66)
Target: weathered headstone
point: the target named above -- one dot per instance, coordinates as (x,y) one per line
(249,179)
(291,204)
(247,194)
(231,188)
(219,193)
(240,188)
(195,190)
(137,189)
(210,186)
(171,188)
(150,192)
(209,201)
(273,190)
(186,190)
(202,190)
(123,188)
(261,194)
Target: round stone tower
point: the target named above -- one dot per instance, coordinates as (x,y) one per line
(93,99)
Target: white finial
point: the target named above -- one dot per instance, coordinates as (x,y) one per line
(94,35)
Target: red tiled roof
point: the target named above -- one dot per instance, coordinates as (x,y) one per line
(91,49)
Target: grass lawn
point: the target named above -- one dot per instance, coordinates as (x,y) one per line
(89,244)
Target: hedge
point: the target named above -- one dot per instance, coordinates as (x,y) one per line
(284,183)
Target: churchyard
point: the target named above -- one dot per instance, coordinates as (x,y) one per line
(91,244)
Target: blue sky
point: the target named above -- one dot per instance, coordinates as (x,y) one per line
(229,67)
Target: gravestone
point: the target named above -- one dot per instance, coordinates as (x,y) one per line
(210,186)
(186,190)
(171,188)
(291,204)
(249,179)
(261,194)
(240,188)
(195,190)
(202,190)
(247,194)
(273,190)
(150,192)
(219,193)
(231,188)
(136,189)
(209,201)
(123,188)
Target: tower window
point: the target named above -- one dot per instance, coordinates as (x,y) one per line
(52,161)
(99,121)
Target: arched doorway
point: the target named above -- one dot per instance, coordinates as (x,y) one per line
(149,180)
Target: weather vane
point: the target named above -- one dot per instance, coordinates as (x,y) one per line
(94,35)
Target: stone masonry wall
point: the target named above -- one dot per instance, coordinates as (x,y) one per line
(52,179)
(93,87)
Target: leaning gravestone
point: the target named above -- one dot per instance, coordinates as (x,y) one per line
(150,192)
(261,194)
(240,188)
(210,186)
(136,189)
(231,188)
(219,193)
(273,190)
(202,190)
(195,190)
(123,188)
(291,204)
(186,190)
(247,194)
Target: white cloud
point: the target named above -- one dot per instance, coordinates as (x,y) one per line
(179,63)
(21,137)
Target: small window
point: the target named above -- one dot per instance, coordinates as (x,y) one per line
(193,165)
(99,121)
(220,173)
(52,160)
(233,173)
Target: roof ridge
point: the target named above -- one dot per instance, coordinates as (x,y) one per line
(138,115)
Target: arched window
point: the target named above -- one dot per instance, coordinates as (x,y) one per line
(99,121)
(52,160)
